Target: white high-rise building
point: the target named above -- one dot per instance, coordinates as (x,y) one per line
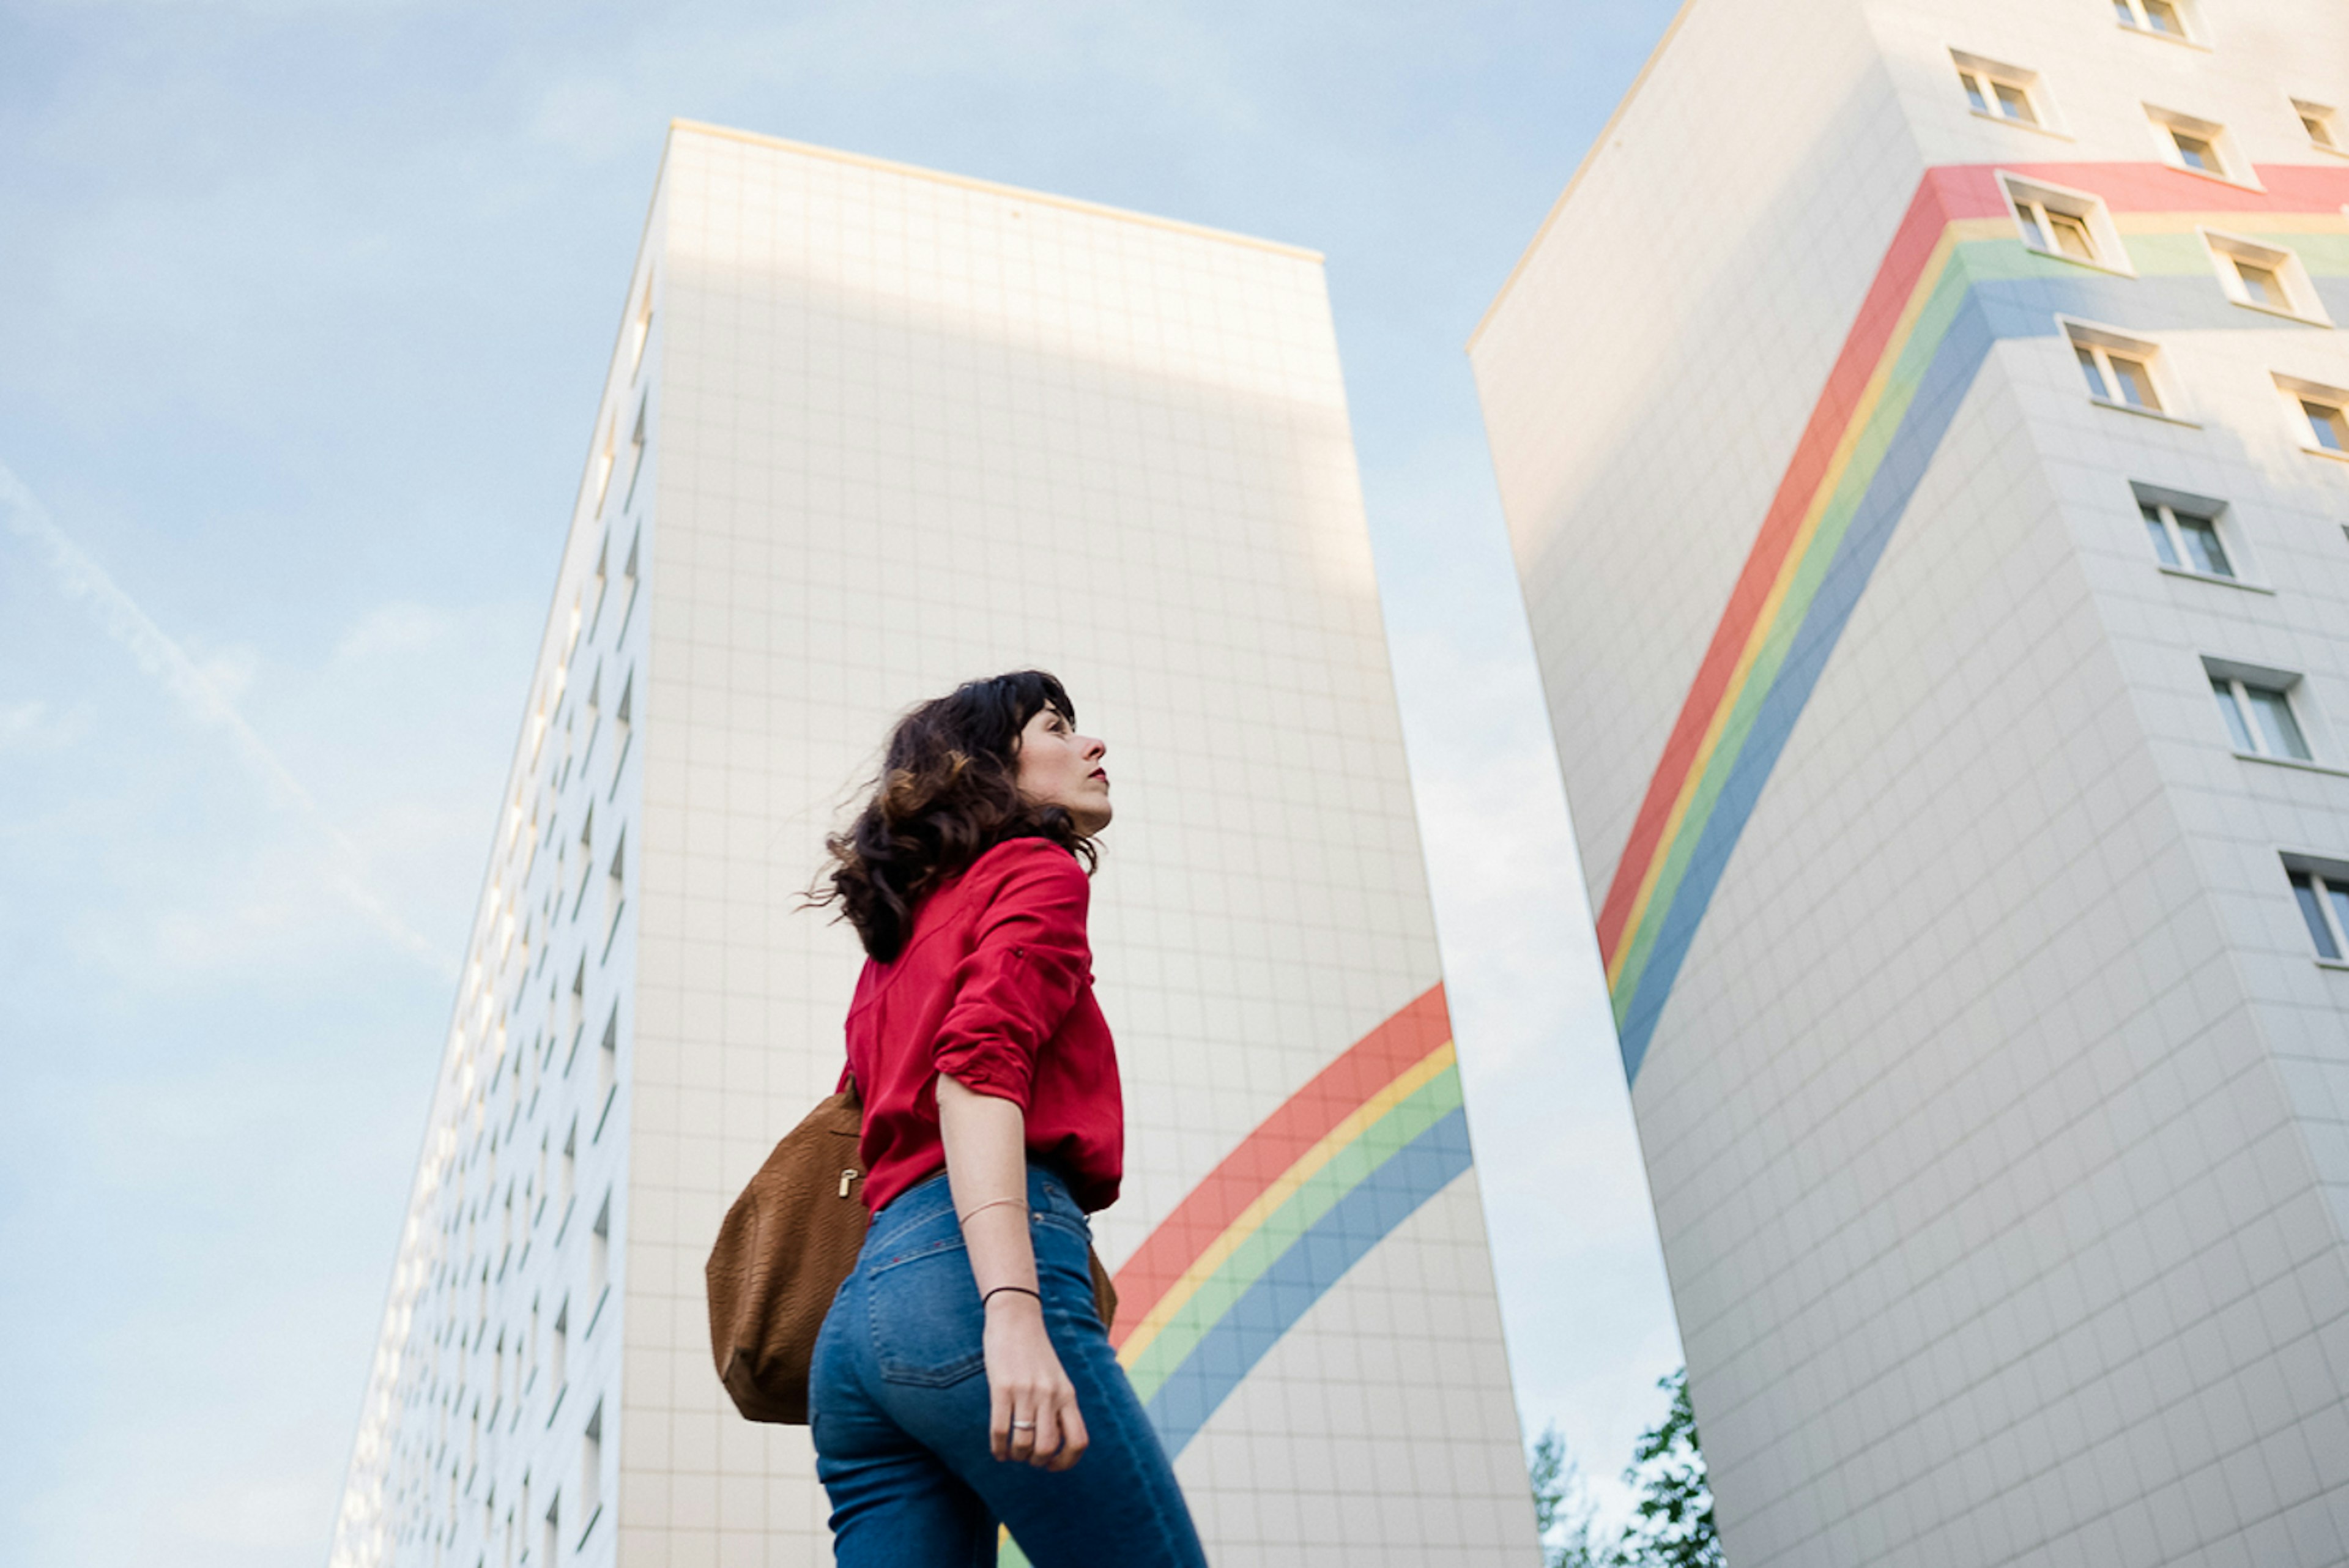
(870,432)
(1921,432)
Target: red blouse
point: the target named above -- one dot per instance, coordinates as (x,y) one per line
(995,988)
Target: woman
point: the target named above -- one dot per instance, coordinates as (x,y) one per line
(963,1376)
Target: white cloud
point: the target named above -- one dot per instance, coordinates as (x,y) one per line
(396,630)
(81,578)
(32,726)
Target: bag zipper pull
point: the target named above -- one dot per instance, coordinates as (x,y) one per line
(845,1177)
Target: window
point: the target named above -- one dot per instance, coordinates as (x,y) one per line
(2323,894)
(578,1008)
(2198,146)
(586,858)
(2059,232)
(591,1468)
(2072,225)
(616,888)
(636,454)
(604,455)
(2256,706)
(2165,18)
(570,1165)
(558,1349)
(552,1542)
(2264,277)
(1999,91)
(623,718)
(2328,426)
(640,330)
(599,1256)
(607,1055)
(2120,369)
(2319,415)
(2185,532)
(629,576)
(2322,124)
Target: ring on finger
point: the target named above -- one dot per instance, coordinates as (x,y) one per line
(1023,1426)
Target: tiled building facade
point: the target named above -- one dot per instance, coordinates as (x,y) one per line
(869,431)
(1921,433)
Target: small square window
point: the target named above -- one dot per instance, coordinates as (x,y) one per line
(605,452)
(2197,145)
(2164,19)
(2260,719)
(2322,413)
(2323,896)
(636,456)
(2000,91)
(2071,225)
(2257,708)
(2321,123)
(640,330)
(2262,284)
(2118,370)
(2326,424)
(2186,541)
(2264,277)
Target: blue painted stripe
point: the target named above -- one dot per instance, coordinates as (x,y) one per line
(1996,308)
(1316,1261)
(1938,394)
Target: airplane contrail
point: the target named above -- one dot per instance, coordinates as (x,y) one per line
(81,577)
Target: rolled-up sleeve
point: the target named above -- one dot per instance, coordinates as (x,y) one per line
(1028,964)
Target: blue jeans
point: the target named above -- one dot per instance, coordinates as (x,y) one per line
(900,1401)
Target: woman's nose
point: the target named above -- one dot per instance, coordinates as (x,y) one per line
(1095,749)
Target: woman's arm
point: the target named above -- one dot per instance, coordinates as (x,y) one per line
(987,1168)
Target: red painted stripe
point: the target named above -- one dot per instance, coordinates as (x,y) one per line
(2158,188)
(1943,196)
(1304,1120)
(1896,277)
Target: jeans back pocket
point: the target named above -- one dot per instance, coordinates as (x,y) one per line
(928,1329)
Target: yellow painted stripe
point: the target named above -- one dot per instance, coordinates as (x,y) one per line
(1847,444)
(2231,223)
(1267,1203)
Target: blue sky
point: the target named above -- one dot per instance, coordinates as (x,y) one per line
(303,308)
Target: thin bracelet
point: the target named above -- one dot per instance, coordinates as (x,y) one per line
(999,1290)
(990,1203)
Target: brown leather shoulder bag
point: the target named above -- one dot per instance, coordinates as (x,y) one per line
(782,1254)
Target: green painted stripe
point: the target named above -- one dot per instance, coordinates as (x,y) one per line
(1913,358)
(2324,255)
(1315,1197)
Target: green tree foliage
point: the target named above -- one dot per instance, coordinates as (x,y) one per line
(1672,1523)
(1674,1528)
(1563,1514)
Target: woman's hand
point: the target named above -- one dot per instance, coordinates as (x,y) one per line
(1032,1415)
(1032,1405)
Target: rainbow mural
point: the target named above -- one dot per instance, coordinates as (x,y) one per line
(1323,1179)
(1956,279)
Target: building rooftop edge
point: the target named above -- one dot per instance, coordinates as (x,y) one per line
(1550,220)
(1072,203)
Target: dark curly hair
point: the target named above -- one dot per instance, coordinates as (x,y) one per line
(947,793)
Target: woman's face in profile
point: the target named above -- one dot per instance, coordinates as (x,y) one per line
(1060,767)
